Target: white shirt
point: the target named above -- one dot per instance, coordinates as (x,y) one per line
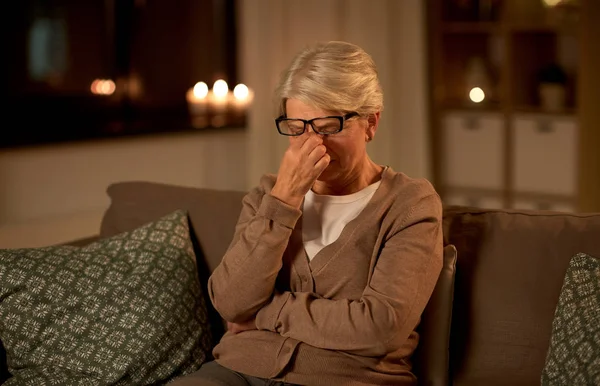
(324,217)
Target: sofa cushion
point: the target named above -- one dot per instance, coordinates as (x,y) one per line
(509,274)
(573,357)
(123,310)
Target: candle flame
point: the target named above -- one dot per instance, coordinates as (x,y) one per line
(241,92)
(200,90)
(220,88)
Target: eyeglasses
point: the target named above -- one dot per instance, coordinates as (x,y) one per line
(323,125)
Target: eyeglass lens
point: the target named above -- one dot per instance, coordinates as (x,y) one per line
(320,125)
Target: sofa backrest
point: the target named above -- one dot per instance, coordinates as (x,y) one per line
(213,213)
(509,270)
(509,274)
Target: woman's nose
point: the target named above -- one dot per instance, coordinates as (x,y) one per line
(310,130)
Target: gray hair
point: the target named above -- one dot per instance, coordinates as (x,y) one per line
(333,75)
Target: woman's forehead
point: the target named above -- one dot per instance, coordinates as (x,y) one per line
(296,108)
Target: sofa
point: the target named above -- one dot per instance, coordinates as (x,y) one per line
(490,319)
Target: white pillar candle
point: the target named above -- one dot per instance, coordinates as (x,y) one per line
(197,98)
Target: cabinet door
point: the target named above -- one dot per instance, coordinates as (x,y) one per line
(545,155)
(473,145)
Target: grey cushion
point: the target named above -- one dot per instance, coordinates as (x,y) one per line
(126,310)
(213,215)
(574,353)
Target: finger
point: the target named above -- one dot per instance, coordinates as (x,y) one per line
(316,154)
(322,164)
(311,142)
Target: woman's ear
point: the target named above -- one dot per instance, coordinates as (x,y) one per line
(373,123)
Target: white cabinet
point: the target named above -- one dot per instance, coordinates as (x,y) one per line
(545,154)
(473,148)
(536,170)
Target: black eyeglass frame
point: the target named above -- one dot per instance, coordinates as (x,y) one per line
(341,118)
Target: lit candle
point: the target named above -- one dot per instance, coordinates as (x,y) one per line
(197,98)
(242,96)
(103,87)
(219,96)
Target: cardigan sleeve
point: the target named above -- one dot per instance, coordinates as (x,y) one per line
(390,306)
(245,279)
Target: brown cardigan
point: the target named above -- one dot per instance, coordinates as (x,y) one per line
(347,317)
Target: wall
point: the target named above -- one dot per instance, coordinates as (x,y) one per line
(53,194)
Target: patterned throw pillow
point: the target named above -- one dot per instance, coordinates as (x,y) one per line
(127,310)
(574,354)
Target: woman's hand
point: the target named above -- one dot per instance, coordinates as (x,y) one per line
(300,167)
(236,328)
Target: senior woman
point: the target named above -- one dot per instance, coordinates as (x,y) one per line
(334,258)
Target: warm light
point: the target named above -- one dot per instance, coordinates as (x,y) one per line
(220,88)
(200,90)
(94,86)
(103,87)
(552,3)
(108,87)
(241,92)
(476,94)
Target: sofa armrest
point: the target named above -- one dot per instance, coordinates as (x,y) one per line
(432,357)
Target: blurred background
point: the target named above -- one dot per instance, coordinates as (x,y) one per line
(494,101)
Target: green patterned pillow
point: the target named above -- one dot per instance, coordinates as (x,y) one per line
(127,310)
(574,354)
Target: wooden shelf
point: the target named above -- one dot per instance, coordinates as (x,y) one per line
(466,107)
(540,28)
(519,43)
(470,27)
(495,28)
(100,122)
(569,111)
